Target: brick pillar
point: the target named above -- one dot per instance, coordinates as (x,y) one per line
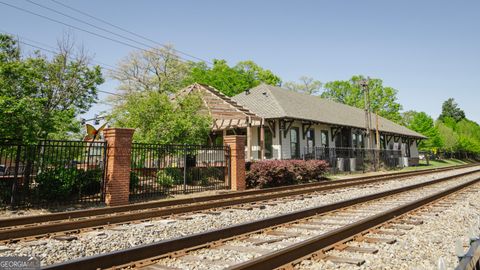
(237,161)
(117,182)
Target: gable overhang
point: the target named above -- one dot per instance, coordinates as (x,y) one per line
(225,113)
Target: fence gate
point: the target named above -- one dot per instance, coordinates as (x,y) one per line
(159,170)
(51,173)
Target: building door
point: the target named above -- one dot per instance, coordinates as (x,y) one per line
(268,143)
(294,143)
(324,138)
(310,141)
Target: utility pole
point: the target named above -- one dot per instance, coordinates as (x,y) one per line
(368,120)
(366,93)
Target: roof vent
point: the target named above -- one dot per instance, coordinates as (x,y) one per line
(265,94)
(247,92)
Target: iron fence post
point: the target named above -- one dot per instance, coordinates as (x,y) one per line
(229,162)
(15,176)
(185,168)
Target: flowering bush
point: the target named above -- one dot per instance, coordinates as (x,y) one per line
(274,173)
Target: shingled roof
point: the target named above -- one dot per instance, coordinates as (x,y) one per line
(272,102)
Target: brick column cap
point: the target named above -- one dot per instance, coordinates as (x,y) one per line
(122,131)
(234,136)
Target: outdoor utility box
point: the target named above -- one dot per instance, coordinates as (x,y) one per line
(352,164)
(341,164)
(405,162)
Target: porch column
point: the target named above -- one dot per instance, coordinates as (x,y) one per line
(237,161)
(119,150)
(249,142)
(262,142)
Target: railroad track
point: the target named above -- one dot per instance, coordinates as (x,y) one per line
(280,240)
(67,223)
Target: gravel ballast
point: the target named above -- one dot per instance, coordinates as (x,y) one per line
(202,259)
(124,236)
(424,246)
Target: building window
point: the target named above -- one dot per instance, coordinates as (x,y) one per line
(294,143)
(324,138)
(407,148)
(357,140)
(382,142)
(310,140)
(344,138)
(268,143)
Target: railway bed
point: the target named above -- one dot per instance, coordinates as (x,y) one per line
(151,255)
(61,224)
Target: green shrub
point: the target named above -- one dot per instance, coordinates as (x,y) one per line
(60,183)
(89,182)
(175,173)
(5,191)
(134,180)
(165,180)
(57,183)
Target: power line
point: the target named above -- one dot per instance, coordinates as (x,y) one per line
(110,93)
(55,52)
(127,31)
(79,28)
(25,38)
(53,49)
(100,28)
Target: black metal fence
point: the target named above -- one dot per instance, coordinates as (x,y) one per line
(51,173)
(355,159)
(159,170)
(446,154)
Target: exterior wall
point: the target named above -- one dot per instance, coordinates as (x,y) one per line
(255,146)
(285,146)
(414,150)
(281,146)
(277,148)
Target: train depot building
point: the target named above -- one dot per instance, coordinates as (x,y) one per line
(283,124)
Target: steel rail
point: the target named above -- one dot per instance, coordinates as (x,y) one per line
(74,226)
(471,259)
(156,250)
(10,222)
(301,250)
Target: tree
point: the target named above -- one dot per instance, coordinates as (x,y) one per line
(40,97)
(450,109)
(383,99)
(231,80)
(158,119)
(423,124)
(157,69)
(257,73)
(307,85)
(448,136)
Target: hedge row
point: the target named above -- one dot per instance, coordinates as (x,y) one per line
(274,173)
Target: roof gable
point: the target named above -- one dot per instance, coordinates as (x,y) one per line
(225,112)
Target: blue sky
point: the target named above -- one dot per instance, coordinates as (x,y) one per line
(428,50)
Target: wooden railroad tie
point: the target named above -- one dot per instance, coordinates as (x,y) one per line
(261,251)
(258,241)
(368,239)
(336,259)
(347,248)
(193,258)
